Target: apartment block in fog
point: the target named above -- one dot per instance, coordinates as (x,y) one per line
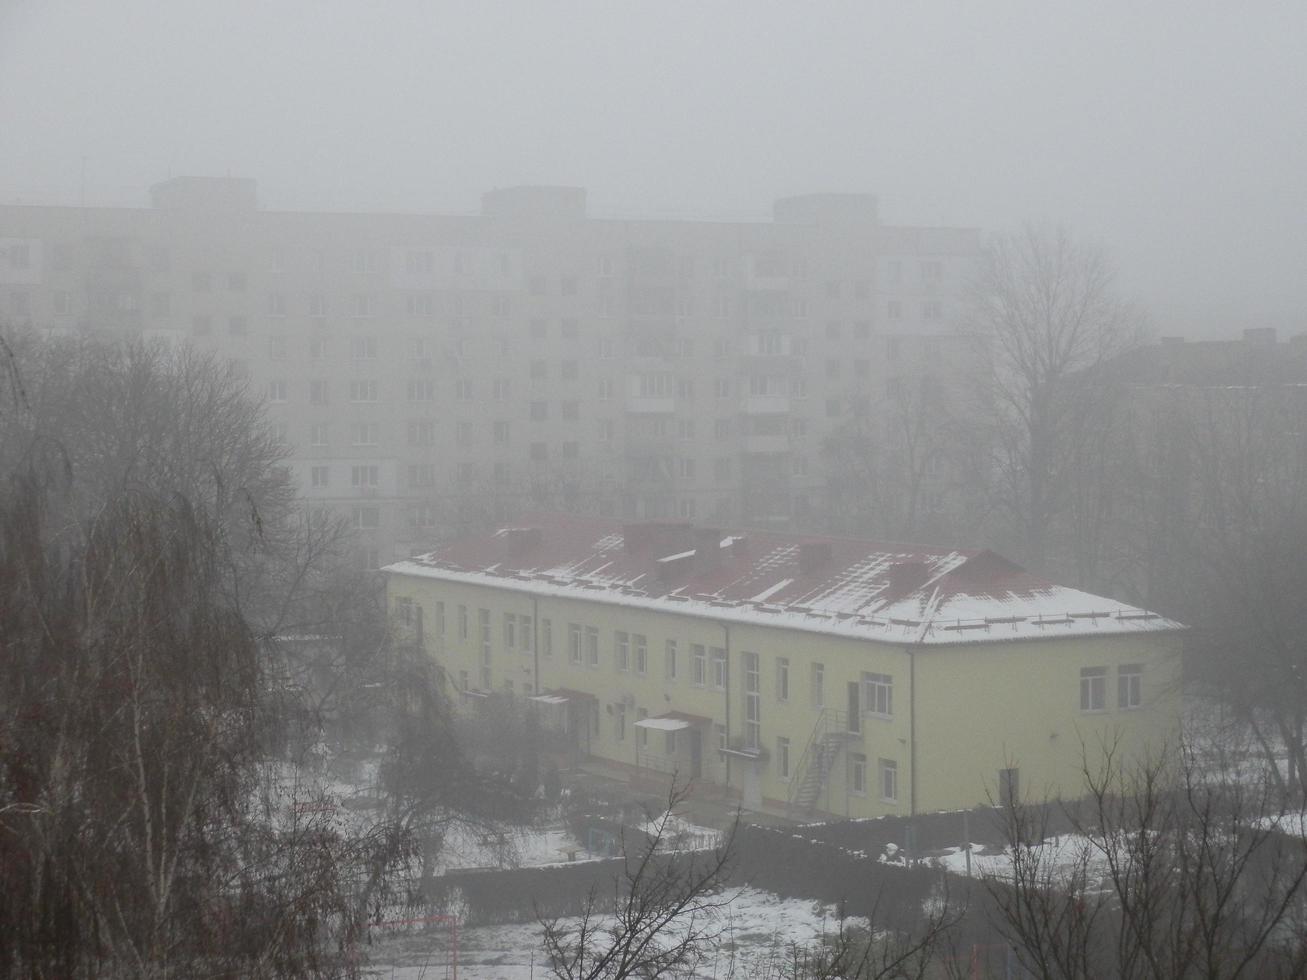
(431,372)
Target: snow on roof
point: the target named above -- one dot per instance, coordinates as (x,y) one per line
(841,586)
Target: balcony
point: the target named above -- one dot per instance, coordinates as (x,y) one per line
(766,404)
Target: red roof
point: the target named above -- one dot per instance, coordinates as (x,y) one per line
(815,578)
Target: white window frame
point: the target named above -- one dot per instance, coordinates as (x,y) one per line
(1093,689)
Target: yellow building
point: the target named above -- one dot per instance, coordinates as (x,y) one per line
(820,673)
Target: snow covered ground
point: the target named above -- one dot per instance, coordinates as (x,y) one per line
(760,926)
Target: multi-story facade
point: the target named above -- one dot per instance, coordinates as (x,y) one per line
(430,371)
(826,673)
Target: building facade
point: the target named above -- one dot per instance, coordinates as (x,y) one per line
(431,372)
(828,674)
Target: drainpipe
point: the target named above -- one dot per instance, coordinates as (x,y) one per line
(912,731)
(726,630)
(535,644)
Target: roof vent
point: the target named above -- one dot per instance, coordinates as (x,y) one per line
(907,576)
(707,549)
(523,539)
(813,554)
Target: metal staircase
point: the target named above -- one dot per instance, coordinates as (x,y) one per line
(829,736)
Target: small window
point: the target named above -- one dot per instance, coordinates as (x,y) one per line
(1129,686)
(782,679)
(669,661)
(641,654)
(889,780)
(783,758)
(1093,689)
(878,694)
(510,631)
(719,668)
(622,645)
(818,685)
(698,665)
(858,773)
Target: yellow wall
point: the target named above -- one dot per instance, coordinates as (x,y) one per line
(993,706)
(978,706)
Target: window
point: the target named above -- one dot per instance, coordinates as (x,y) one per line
(783,758)
(366,476)
(363,391)
(483,629)
(932,309)
(782,679)
(569,370)
(574,642)
(889,780)
(510,631)
(1129,686)
(858,773)
(462,622)
(878,694)
(318,434)
(319,476)
(642,734)
(440,619)
(365,434)
(818,685)
(719,668)
(526,633)
(421,432)
(317,305)
(752,698)
(698,665)
(547,637)
(363,305)
(501,389)
(1093,689)
(669,661)
(894,310)
(421,390)
(605,389)
(539,411)
(619,722)
(592,646)
(276,304)
(623,646)
(277,391)
(363,348)
(367,518)
(641,654)
(500,430)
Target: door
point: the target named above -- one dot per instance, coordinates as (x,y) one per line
(696,753)
(855,707)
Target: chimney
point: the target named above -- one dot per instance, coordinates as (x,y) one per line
(523,539)
(906,577)
(707,549)
(813,554)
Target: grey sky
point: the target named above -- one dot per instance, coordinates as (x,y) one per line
(1173,132)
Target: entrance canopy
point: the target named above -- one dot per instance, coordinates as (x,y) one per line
(672,721)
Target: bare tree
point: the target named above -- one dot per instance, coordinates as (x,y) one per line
(1171,871)
(1046,307)
(664,918)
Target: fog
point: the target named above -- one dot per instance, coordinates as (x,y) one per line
(1173,133)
